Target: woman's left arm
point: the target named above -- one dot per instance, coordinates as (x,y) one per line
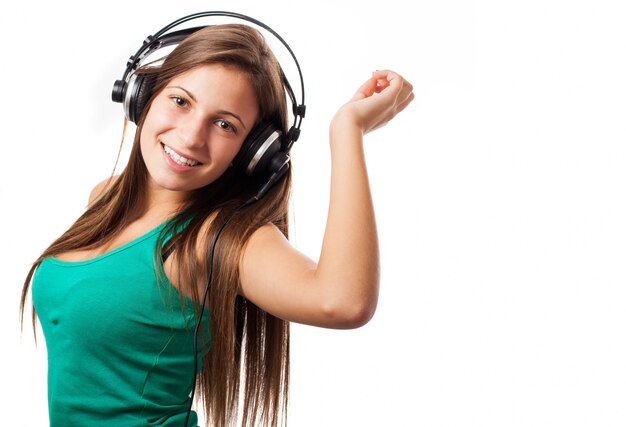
(341,290)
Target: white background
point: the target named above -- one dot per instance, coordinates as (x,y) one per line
(499,195)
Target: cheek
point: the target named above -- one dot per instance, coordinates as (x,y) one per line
(155,123)
(158,116)
(143,141)
(234,150)
(225,149)
(147,129)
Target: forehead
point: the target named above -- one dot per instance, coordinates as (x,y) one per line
(219,86)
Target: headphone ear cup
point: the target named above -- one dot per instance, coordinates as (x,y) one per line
(141,91)
(258,150)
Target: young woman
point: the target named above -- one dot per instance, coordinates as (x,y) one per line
(120,293)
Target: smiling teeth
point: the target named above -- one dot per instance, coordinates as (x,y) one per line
(183,161)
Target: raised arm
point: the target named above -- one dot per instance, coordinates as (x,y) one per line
(341,290)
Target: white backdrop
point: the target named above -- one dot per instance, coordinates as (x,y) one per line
(499,195)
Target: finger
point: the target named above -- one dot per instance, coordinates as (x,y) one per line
(392,78)
(405,91)
(366,90)
(380,80)
(385,74)
(399,88)
(381,84)
(402,105)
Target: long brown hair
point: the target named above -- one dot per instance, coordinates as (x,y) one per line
(249,356)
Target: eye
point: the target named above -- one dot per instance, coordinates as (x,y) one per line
(179,101)
(224,125)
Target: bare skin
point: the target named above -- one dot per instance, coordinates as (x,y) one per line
(340,290)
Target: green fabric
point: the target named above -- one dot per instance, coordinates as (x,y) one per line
(120,351)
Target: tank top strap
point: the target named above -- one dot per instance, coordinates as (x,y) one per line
(167,248)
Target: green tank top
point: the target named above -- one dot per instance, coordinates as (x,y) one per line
(120,350)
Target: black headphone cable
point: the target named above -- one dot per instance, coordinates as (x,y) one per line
(264,188)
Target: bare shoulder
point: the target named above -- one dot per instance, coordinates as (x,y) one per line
(261,239)
(264,240)
(267,231)
(100,187)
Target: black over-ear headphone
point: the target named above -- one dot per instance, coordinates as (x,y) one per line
(265,152)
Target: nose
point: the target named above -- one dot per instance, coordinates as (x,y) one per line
(193,132)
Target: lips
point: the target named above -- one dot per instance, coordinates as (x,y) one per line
(181,160)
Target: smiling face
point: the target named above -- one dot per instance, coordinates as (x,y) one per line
(196,126)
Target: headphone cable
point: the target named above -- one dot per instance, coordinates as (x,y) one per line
(204,297)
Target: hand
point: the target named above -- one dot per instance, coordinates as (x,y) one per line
(376,102)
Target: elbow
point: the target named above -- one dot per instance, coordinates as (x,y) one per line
(351,312)
(360,317)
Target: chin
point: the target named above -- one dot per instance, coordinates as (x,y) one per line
(181,185)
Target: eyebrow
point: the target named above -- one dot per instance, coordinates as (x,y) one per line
(193,98)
